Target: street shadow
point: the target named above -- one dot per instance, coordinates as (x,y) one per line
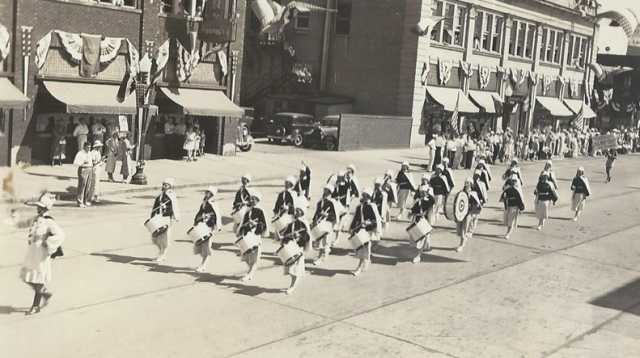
(69,195)
(143,196)
(102,203)
(7,310)
(319,271)
(227,220)
(412,164)
(560,218)
(488,235)
(58,177)
(435,259)
(122,259)
(491,220)
(624,298)
(388,261)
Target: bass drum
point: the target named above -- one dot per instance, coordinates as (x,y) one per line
(456,206)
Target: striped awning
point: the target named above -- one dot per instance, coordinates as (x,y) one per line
(485,100)
(554,106)
(10,96)
(448,97)
(577,105)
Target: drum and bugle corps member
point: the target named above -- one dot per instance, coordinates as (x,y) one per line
(254,221)
(423,209)
(485,173)
(344,193)
(165,204)
(304,181)
(548,169)
(441,189)
(479,187)
(446,171)
(513,200)
(326,210)
(241,199)
(545,195)
(210,215)
(298,231)
(390,187)
(406,186)
(45,238)
(581,190)
(379,198)
(513,169)
(285,201)
(611,156)
(466,227)
(366,219)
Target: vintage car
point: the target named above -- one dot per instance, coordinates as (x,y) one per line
(289,127)
(325,134)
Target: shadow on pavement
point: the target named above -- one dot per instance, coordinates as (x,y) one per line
(319,271)
(123,259)
(59,177)
(625,298)
(11,310)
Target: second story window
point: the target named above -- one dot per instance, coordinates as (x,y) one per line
(125,3)
(451,30)
(193,7)
(302,20)
(522,39)
(487,35)
(551,46)
(343,18)
(577,55)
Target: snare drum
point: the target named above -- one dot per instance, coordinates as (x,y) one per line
(248,242)
(157,224)
(280,223)
(418,230)
(456,206)
(238,215)
(289,252)
(360,239)
(321,229)
(199,232)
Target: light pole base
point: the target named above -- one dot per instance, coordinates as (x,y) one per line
(139,178)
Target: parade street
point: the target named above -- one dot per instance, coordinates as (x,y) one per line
(570,290)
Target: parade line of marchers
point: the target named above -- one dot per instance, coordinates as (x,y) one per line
(363,213)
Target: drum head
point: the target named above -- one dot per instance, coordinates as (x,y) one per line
(461,206)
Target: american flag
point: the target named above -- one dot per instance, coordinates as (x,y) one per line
(454,116)
(579,121)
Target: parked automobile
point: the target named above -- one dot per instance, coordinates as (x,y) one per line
(289,127)
(325,134)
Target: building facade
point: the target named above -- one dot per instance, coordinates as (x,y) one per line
(76,60)
(517,64)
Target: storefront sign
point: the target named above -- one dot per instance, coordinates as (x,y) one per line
(603,142)
(216,27)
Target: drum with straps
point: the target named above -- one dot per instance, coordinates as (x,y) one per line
(289,252)
(320,229)
(248,242)
(281,222)
(359,239)
(456,206)
(419,229)
(199,232)
(157,224)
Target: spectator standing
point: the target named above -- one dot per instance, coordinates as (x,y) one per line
(124,153)
(189,143)
(84,162)
(97,130)
(452,147)
(58,144)
(112,154)
(80,132)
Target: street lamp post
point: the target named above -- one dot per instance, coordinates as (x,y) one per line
(142,84)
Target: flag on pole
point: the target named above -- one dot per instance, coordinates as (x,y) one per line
(579,121)
(454,116)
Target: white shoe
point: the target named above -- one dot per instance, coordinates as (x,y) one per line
(289,290)
(575,218)
(246,278)
(506,237)
(539,227)
(459,248)
(356,273)
(199,269)
(417,259)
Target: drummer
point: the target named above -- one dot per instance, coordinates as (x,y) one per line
(390,187)
(545,195)
(365,218)
(379,198)
(344,193)
(423,209)
(479,187)
(165,204)
(350,178)
(242,197)
(581,190)
(513,200)
(299,232)
(304,181)
(209,214)
(485,173)
(513,169)
(447,172)
(254,221)
(406,186)
(466,227)
(284,202)
(548,170)
(441,189)
(325,211)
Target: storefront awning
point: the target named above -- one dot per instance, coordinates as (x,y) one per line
(10,96)
(201,102)
(485,100)
(90,98)
(577,105)
(448,97)
(554,106)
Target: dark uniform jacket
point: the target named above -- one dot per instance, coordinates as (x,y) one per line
(304,182)
(345,191)
(544,192)
(403,182)
(241,198)
(163,205)
(206,211)
(439,185)
(367,212)
(298,230)
(325,210)
(284,198)
(422,207)
(256,215)
(512,198)
(578,186)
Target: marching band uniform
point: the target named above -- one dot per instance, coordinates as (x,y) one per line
(545,194)
(45,238)
(285,202)
(611,156)
(479,187)
(441,189)
(447,173)
(304,182)
(466,227)
(513,200)
(211,216)
(241,199)
(511,171)
(326,210)
(165,204)
(485,173)
(549,172)
(365,218)
(344,193)
(390,187)
(423,208)
(254,221)
(406,186)
(352,181)
(379,198)
(581,190)
(299,232)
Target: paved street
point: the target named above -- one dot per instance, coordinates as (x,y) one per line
(572,290)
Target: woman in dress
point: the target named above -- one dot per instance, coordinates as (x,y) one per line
(112,154)
(189,143)
(298,231)
(513,200)
(423,209)
(45,238)
(165,204)
(581,190)
(254,221)
(209,214)
(545,195)
(365,218)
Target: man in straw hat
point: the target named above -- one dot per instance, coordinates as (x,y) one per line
(84,161)
(45,238)
(209,214)
(254,222)
(165,204)
(326,210)
(367,219)
(298,231)
(423,208)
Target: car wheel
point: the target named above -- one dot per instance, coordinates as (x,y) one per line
(330,144)
(245,148)
(297,139)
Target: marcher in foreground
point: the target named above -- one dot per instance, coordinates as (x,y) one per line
(581,190)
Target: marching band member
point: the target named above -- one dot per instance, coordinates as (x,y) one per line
(326,210)
(441,189)
(366,218)
(344,193)
(242,197)
(45,238)
(437,151)
(299,232)
(611,156)
(212,217)
(466,227)
(165,204)
(390,187)
(406,186)
(545,194)
(304,181)
(379,198)
(352,181)
(423,208)
(254,221)
(581,190)
(447,172)
(285,203)
(549,171)
(513,169)
(513,200)
(485,173)
(479,187)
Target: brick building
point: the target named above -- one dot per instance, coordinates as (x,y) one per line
(518,63)
(50,61)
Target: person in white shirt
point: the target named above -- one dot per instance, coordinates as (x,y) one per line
(84,162)
(98,169)
(81,131)
(97,130)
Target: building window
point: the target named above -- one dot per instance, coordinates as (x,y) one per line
(577,54)
(488,32)
(343,18)
(451,30)
(193,7)
(522,39)
(125,3)
(551,46)
(302,20)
